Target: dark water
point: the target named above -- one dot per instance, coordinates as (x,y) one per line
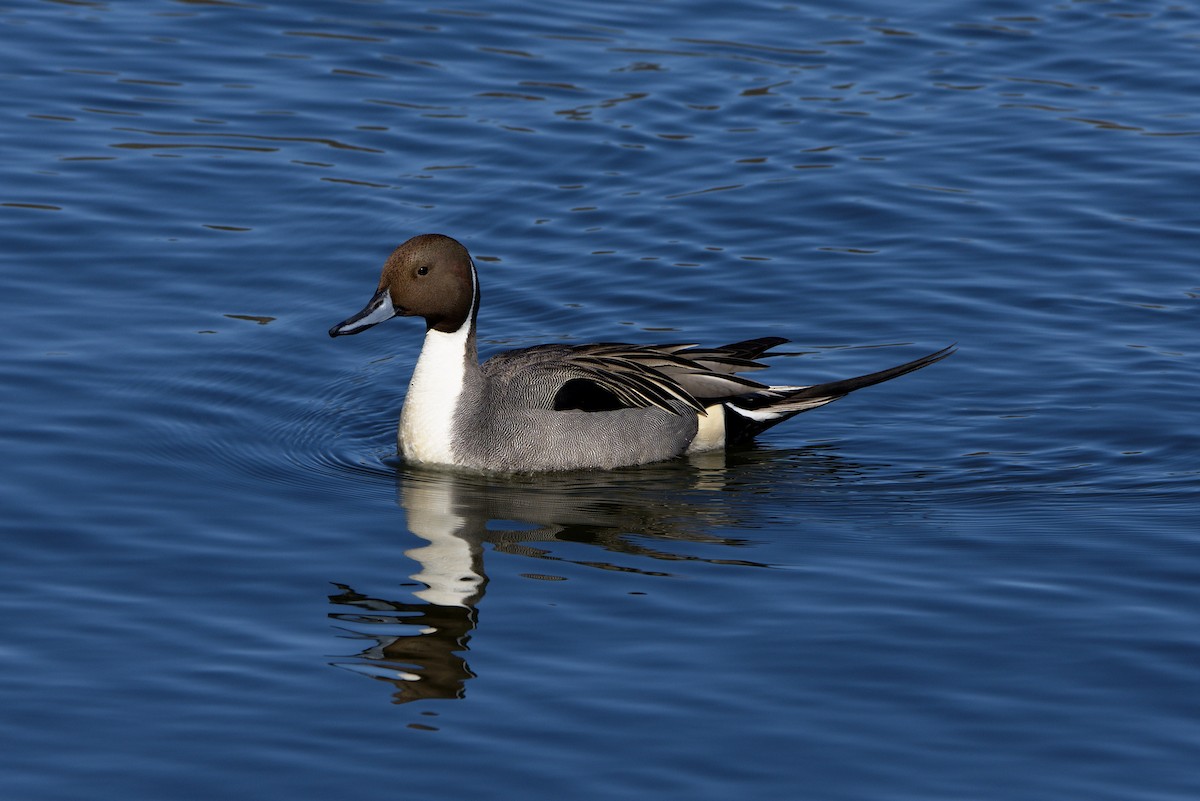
(980,581)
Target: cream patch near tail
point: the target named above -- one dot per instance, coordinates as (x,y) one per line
(710,435)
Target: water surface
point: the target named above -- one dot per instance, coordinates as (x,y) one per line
(978,581)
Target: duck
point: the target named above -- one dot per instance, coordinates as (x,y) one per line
(560,407)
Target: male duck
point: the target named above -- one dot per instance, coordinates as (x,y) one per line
(566,407)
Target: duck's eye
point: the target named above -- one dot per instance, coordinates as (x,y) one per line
(423,270)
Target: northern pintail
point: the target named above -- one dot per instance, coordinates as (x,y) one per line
(568,407)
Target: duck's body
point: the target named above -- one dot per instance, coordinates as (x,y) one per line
(568,407)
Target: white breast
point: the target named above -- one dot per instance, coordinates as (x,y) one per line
(426,423)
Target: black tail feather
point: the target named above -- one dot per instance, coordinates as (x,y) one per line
(848,385)
(749,415)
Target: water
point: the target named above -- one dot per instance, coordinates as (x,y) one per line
(979,581)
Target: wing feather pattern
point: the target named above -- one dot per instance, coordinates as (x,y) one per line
(670,377)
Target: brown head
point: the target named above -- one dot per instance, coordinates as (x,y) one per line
(429,276)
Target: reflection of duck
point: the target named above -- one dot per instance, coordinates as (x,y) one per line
(422,662)
(568,407)
(631,514)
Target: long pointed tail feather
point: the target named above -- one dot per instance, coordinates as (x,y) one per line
(748,415)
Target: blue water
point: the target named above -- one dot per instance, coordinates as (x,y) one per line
(979,581)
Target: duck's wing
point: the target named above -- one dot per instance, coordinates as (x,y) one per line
(608,375)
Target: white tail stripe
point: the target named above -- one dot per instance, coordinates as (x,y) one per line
(754,414)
